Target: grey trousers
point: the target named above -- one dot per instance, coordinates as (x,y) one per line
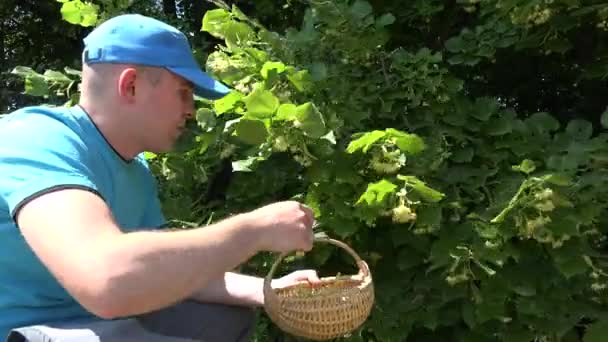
(186,322)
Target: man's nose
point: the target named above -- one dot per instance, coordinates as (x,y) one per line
(189,108)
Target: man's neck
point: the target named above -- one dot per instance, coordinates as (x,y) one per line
(114,131)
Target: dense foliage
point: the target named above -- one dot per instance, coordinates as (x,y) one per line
(458,146)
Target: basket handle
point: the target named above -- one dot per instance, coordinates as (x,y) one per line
(363,268)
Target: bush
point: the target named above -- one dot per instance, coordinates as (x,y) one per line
(457,146)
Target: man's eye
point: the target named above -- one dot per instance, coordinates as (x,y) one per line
(186,94)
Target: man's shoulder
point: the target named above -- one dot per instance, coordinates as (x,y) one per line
(41,133)
(35,120)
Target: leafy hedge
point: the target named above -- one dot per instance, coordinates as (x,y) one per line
(481,213)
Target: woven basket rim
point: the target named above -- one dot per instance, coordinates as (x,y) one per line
(361,281)
(281,302)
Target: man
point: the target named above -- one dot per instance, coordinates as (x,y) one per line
(82,257)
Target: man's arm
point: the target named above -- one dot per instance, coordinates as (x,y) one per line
(233,288)
(114,274)
(239,289)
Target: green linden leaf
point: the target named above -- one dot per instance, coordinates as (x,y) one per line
(385,20)
(597,331)
(89,15)
(377,192)
(427,193)
(604,119)
(360,9)
(79,13)
(227,102)
(454,44)
(149,155)
(408,143)
(237,32)
(36,86)
(24,71)
(252,132)
(558,179)
(484,108)
(55,76)
(214,20)
(580,129)
(205,119)
(527,166)
(543,122)
(261,103)
(310,120)
(286,111)
(365,141)
(278,66)
(301,79)
(244,165)
(70,12)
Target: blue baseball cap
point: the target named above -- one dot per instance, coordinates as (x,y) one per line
(141,40)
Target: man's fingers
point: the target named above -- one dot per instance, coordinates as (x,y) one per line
(310,215)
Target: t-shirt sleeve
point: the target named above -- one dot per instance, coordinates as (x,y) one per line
(153,216)
(39,154)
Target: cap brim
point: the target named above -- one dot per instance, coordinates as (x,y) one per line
(204,85)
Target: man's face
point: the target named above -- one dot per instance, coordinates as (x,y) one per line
(165,108)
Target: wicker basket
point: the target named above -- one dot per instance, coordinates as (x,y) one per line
(335,308)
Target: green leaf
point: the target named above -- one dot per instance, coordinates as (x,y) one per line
(55,76)
(286,111)
(36,86)
(360,9)
(365,141)
(261,103)
(579,129)
(244,165)
(501,125)
(206,119)
(518,335)
(484,108)
(604,119)
(149,155)
(427,193)
(408,143)
(70,12)
(227,103)
(527,166)
(558,179)
(252,132)
(278,66)
(214,20)
(569,259)
(310,120)
(376,192)
(89,15)
(429,216)
(596,332)
(79,13)
(301,79)
(237,33)
(385,20)
(463,155)
(543,122)
(454,44)
(24,71)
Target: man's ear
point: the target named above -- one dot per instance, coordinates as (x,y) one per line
(126,84)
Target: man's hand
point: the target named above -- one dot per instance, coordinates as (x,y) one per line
(297,277)
(283,226)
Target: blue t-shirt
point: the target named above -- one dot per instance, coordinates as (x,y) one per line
(45,148)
